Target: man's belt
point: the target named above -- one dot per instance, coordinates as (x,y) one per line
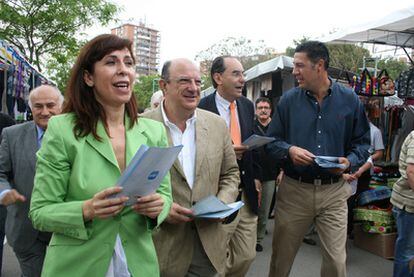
(315,181)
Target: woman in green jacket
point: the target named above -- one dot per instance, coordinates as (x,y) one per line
(84,152)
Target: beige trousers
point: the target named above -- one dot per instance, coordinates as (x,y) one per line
(241,245)
(298,206)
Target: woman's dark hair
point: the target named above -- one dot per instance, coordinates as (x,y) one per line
(80,98)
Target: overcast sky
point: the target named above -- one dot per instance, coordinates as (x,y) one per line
(187,27)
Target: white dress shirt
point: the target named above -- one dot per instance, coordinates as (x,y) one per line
(118,265)
(223,107)
(187,139)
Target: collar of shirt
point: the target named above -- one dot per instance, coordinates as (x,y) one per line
(310,93)
(167,122)
(188,140)
(40,133)
(223,107)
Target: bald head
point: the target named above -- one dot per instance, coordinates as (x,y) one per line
(165,72)
(181,85)
(52,89)
(45,101)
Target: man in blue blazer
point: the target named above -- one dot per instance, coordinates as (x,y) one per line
(228,80)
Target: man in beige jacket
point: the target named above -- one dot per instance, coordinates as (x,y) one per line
(206,166)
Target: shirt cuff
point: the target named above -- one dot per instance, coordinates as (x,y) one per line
(3,193)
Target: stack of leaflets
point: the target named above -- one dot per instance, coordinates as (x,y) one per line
(255,141)
(212,207)
(328,162)
(146,171)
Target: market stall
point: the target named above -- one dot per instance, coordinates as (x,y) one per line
(375,230)
(17,78)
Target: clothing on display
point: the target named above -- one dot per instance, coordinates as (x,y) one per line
(17,79)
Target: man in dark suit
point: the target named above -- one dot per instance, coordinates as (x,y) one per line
(17,169)
(238,112)
(5,121)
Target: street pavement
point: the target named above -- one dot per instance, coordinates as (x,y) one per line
(360,263)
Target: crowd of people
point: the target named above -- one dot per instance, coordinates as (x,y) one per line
(58,172)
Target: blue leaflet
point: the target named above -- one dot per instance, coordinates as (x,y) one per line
(328,162)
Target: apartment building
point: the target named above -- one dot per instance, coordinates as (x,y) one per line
(146,46)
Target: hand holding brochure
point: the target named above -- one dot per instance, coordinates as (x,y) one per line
(255,141)
(146,170)
(328,162)
(212,207)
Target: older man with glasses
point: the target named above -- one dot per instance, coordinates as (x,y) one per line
(206,166)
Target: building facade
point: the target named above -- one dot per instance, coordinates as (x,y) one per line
(146,46)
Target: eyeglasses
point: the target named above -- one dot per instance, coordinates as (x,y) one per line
(238,74)
(187,81)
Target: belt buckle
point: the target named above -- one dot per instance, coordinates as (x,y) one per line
(317,182)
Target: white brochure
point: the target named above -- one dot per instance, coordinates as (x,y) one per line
(255,141)
(146,170)
(212,207)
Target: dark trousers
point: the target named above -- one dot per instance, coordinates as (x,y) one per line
(31,261)
(3,215)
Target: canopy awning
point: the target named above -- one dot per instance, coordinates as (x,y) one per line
(278,63)
(395,29)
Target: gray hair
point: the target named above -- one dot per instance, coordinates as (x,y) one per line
(55,89)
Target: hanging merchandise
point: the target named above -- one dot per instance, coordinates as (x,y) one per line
(384,84)
(367,85)
(19,78)
(405,83)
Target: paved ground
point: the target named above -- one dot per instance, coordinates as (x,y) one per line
(360,263)
(307,263)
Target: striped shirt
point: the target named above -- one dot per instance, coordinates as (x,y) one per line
(402,195)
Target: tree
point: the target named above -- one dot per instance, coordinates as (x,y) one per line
(343,56)
(59,67)
(394,67)
(46,30)
(249,53)
(347,56)
(290,51)
(144,88)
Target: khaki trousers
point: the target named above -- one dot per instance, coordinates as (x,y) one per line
(241,246)
(298,206)
(268,190)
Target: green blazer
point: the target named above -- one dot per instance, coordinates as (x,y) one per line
(70,171)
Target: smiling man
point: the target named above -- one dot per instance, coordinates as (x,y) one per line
(227,75)
(318,118)
(17,169)
(206,166)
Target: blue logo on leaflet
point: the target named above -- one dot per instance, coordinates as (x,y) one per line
(153,175)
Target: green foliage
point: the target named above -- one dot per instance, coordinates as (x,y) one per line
(237,47)
(344,56)
(206,81)
(394,67)
(46,30)
(249,53)
(290,51)
(144,88)
(60,66)
(347,56)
